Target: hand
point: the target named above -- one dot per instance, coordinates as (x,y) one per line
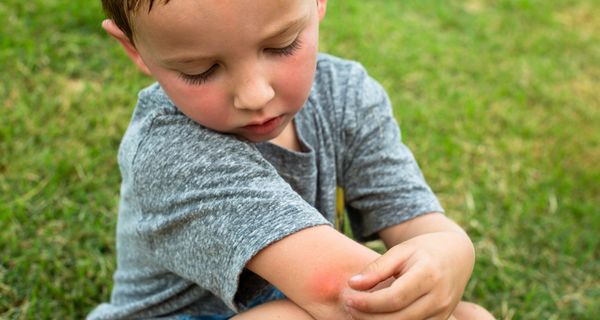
(429,273)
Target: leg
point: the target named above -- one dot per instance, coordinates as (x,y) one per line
(278,309)
(468,310)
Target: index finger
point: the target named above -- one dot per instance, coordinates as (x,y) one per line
(403,292)
(386,266)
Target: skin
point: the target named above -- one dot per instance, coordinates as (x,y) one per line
(249,77)
(326,283)
(258,67)
(431,259)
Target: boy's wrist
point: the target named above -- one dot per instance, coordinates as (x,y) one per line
(425,224)
(457,248)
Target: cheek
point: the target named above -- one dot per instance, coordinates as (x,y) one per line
(203,104)
(295,79)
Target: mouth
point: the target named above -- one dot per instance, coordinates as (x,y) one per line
(263,122)
(264,126)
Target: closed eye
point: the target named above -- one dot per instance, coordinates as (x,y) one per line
(287,50)
(201,78)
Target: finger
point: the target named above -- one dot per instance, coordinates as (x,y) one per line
(382,301)
(423,308)
(403,291)
(384,267)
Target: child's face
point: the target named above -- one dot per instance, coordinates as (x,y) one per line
(240,67)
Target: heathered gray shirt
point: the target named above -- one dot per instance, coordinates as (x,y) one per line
(197,205)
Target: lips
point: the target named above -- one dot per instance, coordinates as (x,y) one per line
(264,127)
(260,123)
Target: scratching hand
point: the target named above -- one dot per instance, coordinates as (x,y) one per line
(428,275)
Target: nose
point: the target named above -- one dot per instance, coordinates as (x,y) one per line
(253,93)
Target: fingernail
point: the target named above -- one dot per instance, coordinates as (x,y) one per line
(358,277)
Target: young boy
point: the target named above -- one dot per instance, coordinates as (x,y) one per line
(230,166)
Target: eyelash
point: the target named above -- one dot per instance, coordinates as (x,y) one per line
(198,79)
(289,50)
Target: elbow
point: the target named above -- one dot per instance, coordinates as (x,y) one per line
(326,289)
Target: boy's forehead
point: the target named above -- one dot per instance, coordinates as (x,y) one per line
(218,15)
(198,25)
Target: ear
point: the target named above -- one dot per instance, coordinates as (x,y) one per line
(322,7)
(112,29)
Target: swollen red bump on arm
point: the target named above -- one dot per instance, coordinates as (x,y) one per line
(327,283)
(312,268)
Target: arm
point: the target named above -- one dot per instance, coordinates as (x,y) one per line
(431,258)
(428,223)
(312,268)
(448,239)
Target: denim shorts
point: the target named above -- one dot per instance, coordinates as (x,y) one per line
(271,294)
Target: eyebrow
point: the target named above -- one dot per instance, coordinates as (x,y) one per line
(185,60)
(285,29)
(292,25)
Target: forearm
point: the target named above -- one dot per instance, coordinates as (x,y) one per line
(312,268)
(427,223)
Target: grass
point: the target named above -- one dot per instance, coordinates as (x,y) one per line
(498,99)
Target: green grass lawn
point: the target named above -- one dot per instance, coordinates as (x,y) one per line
(499,99)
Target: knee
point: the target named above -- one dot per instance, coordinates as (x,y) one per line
(277,309)
(468,310)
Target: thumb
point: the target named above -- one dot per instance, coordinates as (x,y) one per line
(383,268)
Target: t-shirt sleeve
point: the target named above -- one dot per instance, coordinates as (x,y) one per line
(382,182)
(208,203)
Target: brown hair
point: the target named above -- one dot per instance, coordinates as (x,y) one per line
(121,11)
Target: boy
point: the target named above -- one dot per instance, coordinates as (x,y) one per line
(230,166)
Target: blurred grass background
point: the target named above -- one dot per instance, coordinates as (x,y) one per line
(499,99)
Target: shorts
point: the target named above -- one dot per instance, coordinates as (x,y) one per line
(271,294)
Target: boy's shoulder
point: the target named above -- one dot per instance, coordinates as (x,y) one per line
(344,84)
(153,99)
(160,135)
(330,63)
(340,77)
(327,58)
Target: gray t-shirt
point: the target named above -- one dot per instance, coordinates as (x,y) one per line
(197,205)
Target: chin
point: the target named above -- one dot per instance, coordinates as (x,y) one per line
(263,138)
